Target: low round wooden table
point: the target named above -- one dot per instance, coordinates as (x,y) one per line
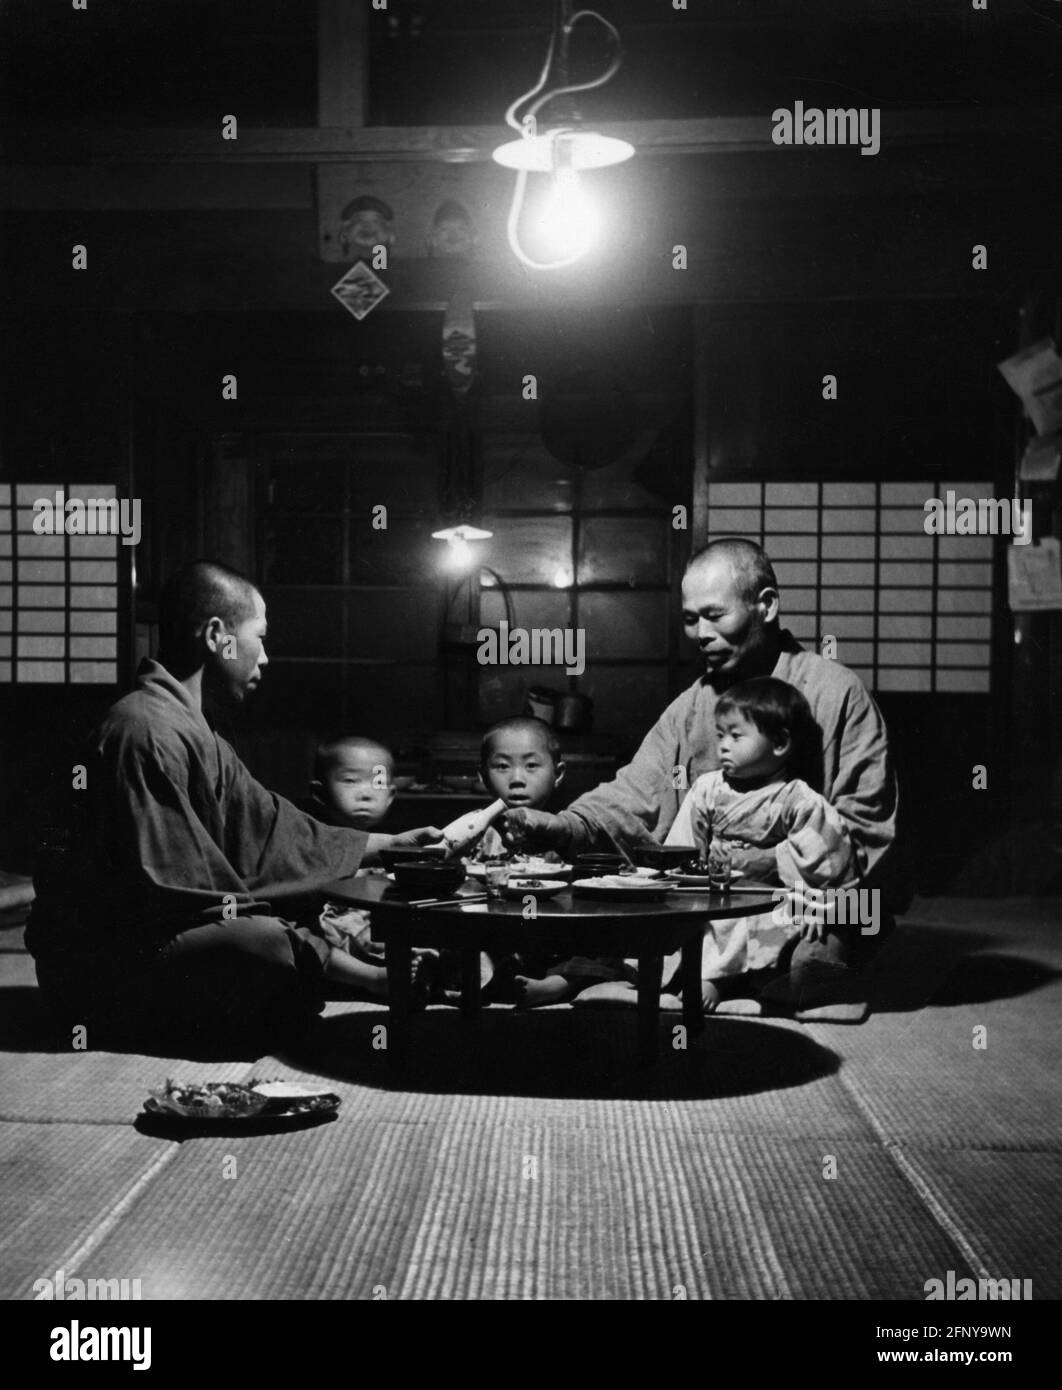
(569,924)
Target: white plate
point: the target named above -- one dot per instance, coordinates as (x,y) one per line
(621,886)
(289,1090)
(537,887)
(523,868)
(698,880)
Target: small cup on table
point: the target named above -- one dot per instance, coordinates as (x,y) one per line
(720,866)
(497,879)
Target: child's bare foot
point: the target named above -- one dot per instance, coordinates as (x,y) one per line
(424,977)
(710,997)
(535,994)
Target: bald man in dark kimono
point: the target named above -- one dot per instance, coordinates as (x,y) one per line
(156,930)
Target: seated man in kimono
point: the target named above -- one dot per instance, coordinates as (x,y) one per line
(155,931)
(730,607)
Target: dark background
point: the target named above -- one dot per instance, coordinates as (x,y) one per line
(800,263)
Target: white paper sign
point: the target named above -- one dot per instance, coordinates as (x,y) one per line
(1034,574)
(1035,374)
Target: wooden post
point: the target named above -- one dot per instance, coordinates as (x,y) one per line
(701,443)
(342,63)
(1033,755)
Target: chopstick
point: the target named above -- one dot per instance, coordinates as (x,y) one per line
(630,862)
(449,902)
(732,888)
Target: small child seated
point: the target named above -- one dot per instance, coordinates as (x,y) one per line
(353,785)
(520,763)
(756,802)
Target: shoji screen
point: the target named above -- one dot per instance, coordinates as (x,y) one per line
(58,594)
(910,612)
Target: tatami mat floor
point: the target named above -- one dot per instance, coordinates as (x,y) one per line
(529,1156)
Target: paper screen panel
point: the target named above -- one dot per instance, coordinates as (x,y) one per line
(910,612)
(53,586)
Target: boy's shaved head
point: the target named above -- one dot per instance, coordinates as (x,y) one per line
(333,750)
(196,593)
(524,724)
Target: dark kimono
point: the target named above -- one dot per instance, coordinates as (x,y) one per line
(167,910)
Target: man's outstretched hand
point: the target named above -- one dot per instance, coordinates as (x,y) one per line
(521,828)
(413,839)
(409,839)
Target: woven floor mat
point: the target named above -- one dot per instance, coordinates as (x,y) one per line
(521,1055)
(93,1088)
(1005,1207)
(47,1078)
(979,1065)
(60,1187)
(628,1207)
(1006,918)
(562,1052)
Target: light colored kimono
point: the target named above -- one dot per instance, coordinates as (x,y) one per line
(812,849)
(640,805)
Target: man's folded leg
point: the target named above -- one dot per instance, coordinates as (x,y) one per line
(226,990)
(819,982)
(246,987)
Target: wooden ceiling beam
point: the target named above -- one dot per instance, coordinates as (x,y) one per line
(63,144)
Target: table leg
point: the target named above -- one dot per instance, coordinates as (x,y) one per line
(650,978)
(470,982)
(690,978)
(398,957)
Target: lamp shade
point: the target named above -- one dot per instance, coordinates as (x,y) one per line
(576,149)
(461,533)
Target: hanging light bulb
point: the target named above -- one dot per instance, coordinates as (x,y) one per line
(568,221)
(459,552)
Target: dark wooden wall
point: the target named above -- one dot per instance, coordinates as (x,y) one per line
(204,260)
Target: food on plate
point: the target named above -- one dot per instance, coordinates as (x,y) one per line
(524,866)
(210,1100)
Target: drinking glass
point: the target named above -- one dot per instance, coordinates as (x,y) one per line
(719,865)
(497,876)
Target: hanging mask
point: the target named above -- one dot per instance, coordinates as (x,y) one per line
(366,222)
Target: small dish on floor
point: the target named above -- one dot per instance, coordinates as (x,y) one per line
(253,1105)
(273,1116)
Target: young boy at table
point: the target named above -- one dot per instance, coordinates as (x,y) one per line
(353,785)
(757,800)
(520,762)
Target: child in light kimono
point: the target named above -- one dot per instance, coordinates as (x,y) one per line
(756,801)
